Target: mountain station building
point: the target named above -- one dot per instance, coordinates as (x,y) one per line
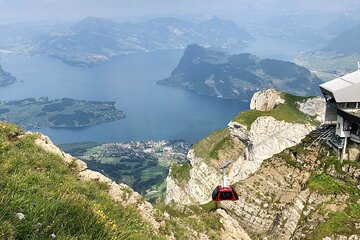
(343,110)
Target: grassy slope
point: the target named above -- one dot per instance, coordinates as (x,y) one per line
(180,173)
(185,219)
(207,149)
(39,185)
(287,112)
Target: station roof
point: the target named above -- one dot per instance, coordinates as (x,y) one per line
(344,89)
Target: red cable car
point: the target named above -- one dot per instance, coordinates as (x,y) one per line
(223,193)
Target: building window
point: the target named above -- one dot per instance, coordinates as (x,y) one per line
(355,129)
(352,105)
(341,105)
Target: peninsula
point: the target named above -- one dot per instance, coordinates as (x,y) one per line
(60,113)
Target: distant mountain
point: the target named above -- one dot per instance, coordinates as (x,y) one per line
(345,43)
(297,29)
(339,56)
(6,78)
(214,73)
(94,40)
(340,25)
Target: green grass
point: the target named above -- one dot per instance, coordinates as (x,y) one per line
(287,112)
(39,185)
(78,149)
(326,184)
(209,147)
(180,173)
(341,223)
(194,217)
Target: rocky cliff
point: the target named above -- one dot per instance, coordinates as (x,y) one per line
(290,185)
(246,143)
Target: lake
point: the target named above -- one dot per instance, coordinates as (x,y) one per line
(152,111)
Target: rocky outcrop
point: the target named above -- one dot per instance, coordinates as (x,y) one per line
(174,192)
(272,198)
(45,143)
(232,229)
(203,178)
(354,152)
(266,137)
(266,100)
(343,237)
(314,107)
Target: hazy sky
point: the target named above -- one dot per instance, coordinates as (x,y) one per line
(39,10)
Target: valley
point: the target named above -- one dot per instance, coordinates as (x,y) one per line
(141,165)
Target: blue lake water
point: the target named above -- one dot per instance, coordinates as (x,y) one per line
(152,111)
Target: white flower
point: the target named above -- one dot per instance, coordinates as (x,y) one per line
(53,235)
(20,216)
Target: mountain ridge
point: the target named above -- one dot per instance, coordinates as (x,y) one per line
(210,72)
(94,40)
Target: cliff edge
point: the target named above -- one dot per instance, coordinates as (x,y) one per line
(290,184)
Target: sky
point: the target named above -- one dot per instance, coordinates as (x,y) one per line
(12,11)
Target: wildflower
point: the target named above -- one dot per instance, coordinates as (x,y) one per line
(53,236)
(20,216)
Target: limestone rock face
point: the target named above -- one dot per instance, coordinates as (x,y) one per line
(266,100)
(89,175)
(45,143)
(203,179)
(267,136)
(176,193)
(342,237)
(232,229)
(314,107)
(125,195)
(354,152)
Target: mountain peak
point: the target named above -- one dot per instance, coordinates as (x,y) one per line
(210,72)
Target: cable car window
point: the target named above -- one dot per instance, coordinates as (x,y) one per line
(215,193)
(225,195)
